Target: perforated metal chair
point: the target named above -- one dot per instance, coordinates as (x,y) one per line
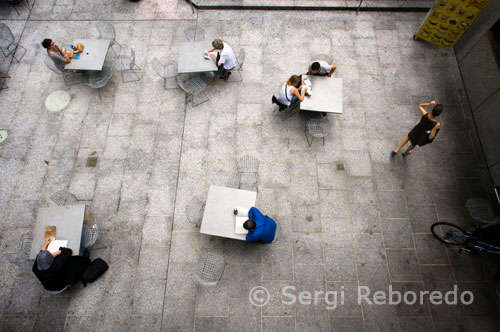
(107,31)
(480,210)
(248,172)
(99,79)
(14,4)
(193,87)
(22,255)
(210,269)
(67,75)
(126,64)
(194,211)
(8,44)
(166,71)
(239,66)
(90,232)
(195,33)
(317,127)
(285,111)
(64,197)
(3,77)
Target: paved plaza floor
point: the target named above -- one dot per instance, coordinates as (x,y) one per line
(349,214)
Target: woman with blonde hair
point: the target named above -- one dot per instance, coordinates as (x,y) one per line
(289,93)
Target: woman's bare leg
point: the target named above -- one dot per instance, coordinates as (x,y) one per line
(403,143)
(409,150)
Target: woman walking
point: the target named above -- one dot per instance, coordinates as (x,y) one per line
(419,134)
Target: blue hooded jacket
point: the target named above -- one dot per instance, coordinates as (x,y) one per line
(265,227)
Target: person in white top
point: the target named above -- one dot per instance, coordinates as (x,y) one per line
(225,59)
(289,93)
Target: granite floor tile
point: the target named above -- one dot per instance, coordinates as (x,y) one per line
(403,265)
(278,324)
(178,314)
(397,233)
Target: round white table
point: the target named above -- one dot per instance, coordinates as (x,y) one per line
(57,101)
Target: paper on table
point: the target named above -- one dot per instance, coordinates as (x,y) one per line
(56,244)
(238,225)
(50,232)
(207,55)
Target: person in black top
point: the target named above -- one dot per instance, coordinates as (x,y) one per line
(418,135)
(60,269)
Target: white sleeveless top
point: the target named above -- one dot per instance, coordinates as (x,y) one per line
(285,95)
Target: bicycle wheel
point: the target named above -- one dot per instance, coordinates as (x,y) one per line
(451,233)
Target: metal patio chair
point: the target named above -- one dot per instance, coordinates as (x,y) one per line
(193,87)
(194,211)
(210,269)
(166,71)
(126,64)
(285,111)
(480,210)
(64,197)
(99,79)
(107,31)
(319,128)
(66,74)
(8,44)
(14,4)
(90,232)
(248,172)
(239,65)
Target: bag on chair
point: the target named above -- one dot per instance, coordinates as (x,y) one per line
(94,271)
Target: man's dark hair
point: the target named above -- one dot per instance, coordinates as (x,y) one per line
(437,109)
(249,225)
(315,66)
(46,43)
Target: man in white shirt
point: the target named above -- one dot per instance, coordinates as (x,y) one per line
(225,59)
(321,68)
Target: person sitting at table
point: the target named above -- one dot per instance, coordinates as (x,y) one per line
(289,94)
(260,228)
(321,68)
(225,59)
(60,269)
(59,56)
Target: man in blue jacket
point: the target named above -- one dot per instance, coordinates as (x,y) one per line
(260,228)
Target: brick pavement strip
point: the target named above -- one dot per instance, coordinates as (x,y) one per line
(366,224)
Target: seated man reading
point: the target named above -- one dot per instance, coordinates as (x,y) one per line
(321,68)
(58,270)
(260,228)
(225,59)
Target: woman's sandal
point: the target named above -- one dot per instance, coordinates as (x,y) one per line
(406,153)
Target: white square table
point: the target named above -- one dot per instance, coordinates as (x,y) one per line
(191,59)
(218,218)
(326,95)
(93,55)
(68,221)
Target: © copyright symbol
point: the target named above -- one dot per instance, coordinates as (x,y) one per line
(258,296)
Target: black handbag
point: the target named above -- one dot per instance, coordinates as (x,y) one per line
(424,138)
(94,271)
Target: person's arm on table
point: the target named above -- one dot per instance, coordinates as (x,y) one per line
(301,94)
(332,69)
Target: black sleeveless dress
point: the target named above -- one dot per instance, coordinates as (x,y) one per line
(424,125)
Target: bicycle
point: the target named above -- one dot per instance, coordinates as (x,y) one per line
(471,242)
